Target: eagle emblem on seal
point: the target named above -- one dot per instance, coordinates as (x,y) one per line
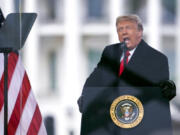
(126,111)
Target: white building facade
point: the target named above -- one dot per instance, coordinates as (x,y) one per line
(66,43)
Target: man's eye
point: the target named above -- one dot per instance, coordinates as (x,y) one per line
(120,29)
(128,27)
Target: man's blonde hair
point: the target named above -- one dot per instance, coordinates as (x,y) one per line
(131,18)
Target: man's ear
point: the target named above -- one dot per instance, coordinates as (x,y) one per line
(139,33)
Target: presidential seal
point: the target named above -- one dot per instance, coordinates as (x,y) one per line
(126,111)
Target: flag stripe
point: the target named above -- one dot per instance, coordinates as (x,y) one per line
(1,81)
(1,63)
(1,97)
(42,130)
(35,123)
(24,116)
(2,121)
(15,86)
(27,115)
(1,92)
(19,106)
(12,60)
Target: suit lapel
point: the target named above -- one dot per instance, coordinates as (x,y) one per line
(136,60)
(117,56)
(118,53)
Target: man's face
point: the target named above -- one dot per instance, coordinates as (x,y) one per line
(129,30)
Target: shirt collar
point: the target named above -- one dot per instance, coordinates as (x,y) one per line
(132,51)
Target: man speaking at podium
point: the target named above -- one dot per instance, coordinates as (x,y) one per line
(132,62)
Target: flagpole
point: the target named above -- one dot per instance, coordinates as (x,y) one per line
(6,51)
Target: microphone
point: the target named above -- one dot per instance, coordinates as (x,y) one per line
(123,45)
(124,49)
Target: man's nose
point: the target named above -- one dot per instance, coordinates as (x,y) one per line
(124,32)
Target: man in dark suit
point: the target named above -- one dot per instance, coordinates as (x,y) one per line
(132,62)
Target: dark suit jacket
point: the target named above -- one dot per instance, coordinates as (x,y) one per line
(146,68)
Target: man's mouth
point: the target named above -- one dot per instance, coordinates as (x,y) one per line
(126,40)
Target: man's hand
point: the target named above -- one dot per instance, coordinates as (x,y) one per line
(168,89)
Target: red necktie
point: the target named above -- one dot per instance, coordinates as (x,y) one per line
(122,63)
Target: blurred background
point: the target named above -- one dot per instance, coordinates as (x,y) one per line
(66,43)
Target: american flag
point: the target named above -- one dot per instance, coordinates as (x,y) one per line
(24,117)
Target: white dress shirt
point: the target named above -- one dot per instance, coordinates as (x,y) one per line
(129,57)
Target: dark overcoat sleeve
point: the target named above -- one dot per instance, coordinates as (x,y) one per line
(93,80)
(105,73)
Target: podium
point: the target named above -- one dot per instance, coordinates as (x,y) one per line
(97,119)
(15,30)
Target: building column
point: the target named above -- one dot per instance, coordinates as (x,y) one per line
(7,7)
(30,49)
(71,88)
(116,9)
(154,23)
(178,51)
